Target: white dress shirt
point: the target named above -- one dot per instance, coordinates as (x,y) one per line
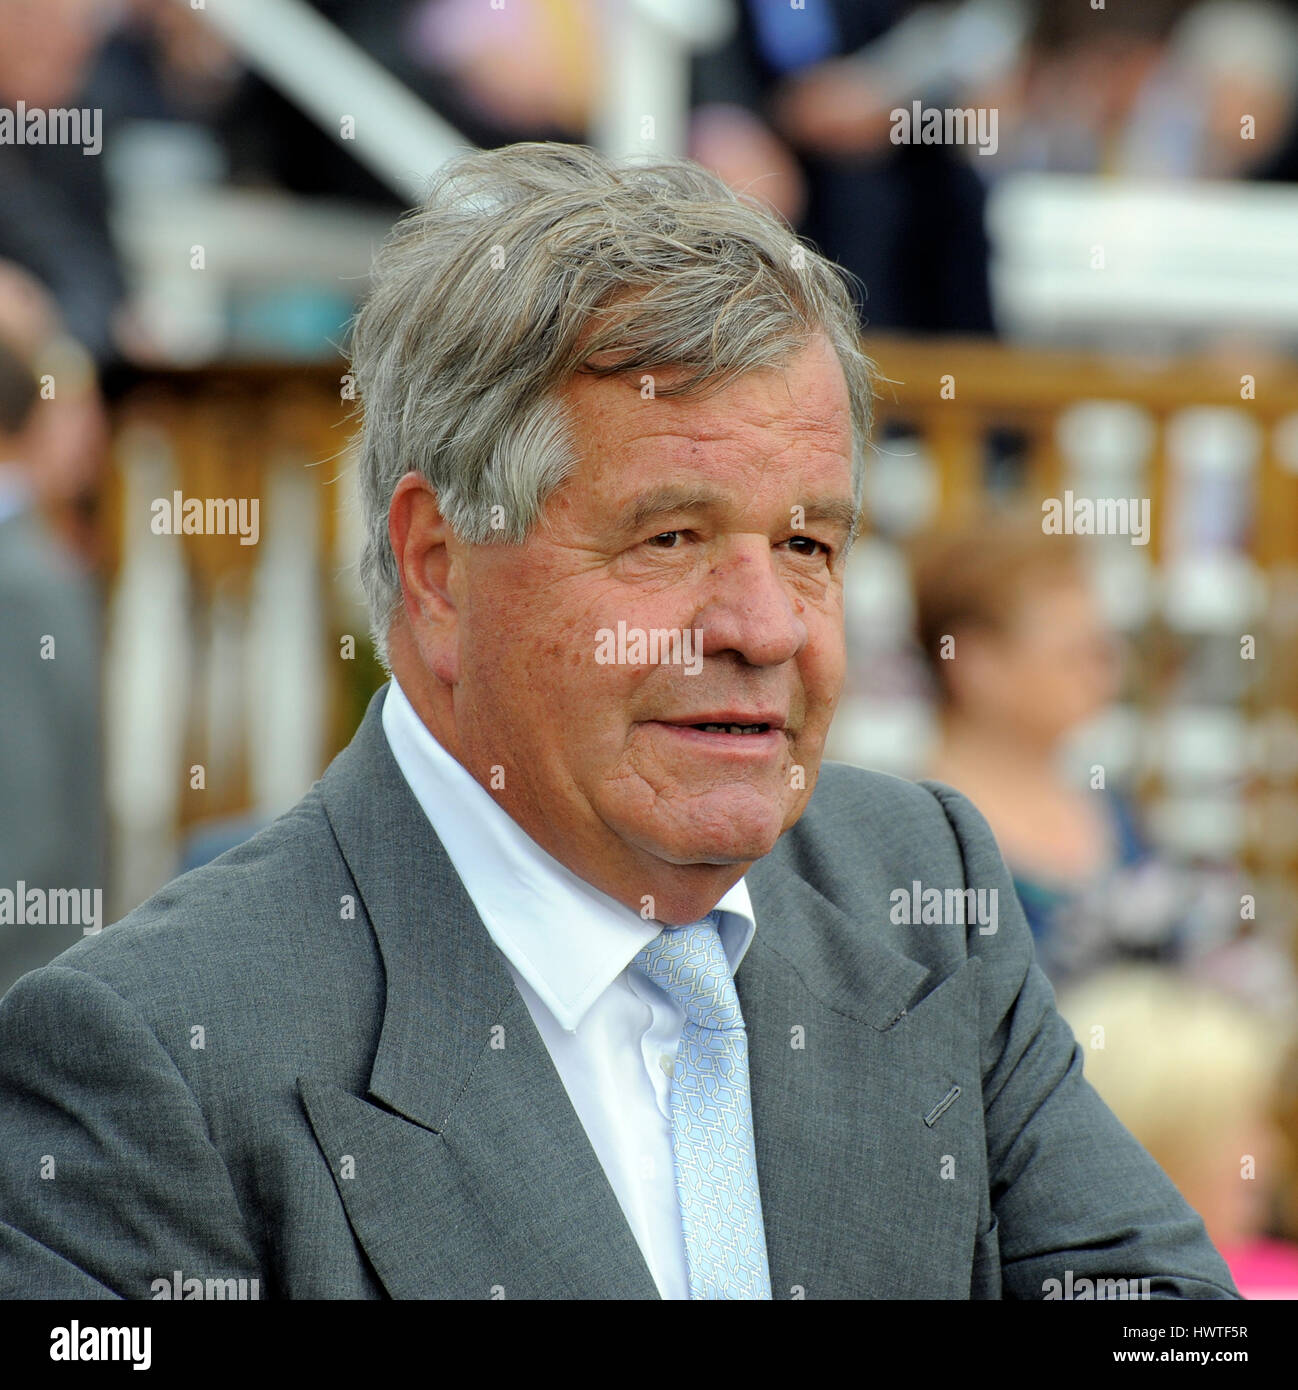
(611,1033)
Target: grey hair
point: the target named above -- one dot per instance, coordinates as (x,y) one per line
(521,266)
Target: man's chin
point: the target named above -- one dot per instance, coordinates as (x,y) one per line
(738,840)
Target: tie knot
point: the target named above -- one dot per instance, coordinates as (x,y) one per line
(690,964)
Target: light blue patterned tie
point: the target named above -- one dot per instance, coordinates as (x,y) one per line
(712,1118)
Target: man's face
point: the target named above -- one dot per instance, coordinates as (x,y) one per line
(682,515)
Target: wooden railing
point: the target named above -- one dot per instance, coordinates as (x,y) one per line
(1029,390)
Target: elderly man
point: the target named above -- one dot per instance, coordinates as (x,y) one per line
(577,975)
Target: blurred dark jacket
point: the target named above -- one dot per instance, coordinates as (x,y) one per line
(908,219)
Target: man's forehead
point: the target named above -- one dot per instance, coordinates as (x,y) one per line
(806,393)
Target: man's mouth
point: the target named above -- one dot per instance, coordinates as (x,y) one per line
(730,721)
(760,732)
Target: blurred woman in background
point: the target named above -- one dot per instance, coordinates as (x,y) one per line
(1021,659)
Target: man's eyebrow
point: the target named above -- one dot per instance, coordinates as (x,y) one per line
(662,501)
(668,500)
(834,511)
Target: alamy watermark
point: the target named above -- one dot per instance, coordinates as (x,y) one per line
(952,125)
(1097,1289)
(57,125)
(52,907)
(73,1342)
(178,1288)
(655,646)
(206,516)
(944,907)
(1096,516)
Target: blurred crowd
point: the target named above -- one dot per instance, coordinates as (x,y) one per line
(795,106)
(1195,1050)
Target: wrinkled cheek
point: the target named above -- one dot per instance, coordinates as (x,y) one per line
(825,661)
(823,692)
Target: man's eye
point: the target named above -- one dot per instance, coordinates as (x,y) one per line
(816,547)
(665,540)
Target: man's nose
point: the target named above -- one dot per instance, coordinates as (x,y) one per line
(750,608)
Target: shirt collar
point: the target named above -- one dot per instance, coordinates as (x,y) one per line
(568,939)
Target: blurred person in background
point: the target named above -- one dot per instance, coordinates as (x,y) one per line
(54,197)
(163,61)
(1221,104)
(531,70)
(1021,658)
(796,109)
(52,451)
(150,60)
(527,70)
(1067,104)
(1157,90)
(1194,1074)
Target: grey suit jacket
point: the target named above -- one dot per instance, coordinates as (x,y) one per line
(281,1068)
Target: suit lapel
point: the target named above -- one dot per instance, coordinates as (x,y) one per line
(472,1172)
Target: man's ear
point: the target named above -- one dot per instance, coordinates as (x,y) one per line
(423,545)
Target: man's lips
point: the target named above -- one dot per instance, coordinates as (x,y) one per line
(741,733)
(728,719)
